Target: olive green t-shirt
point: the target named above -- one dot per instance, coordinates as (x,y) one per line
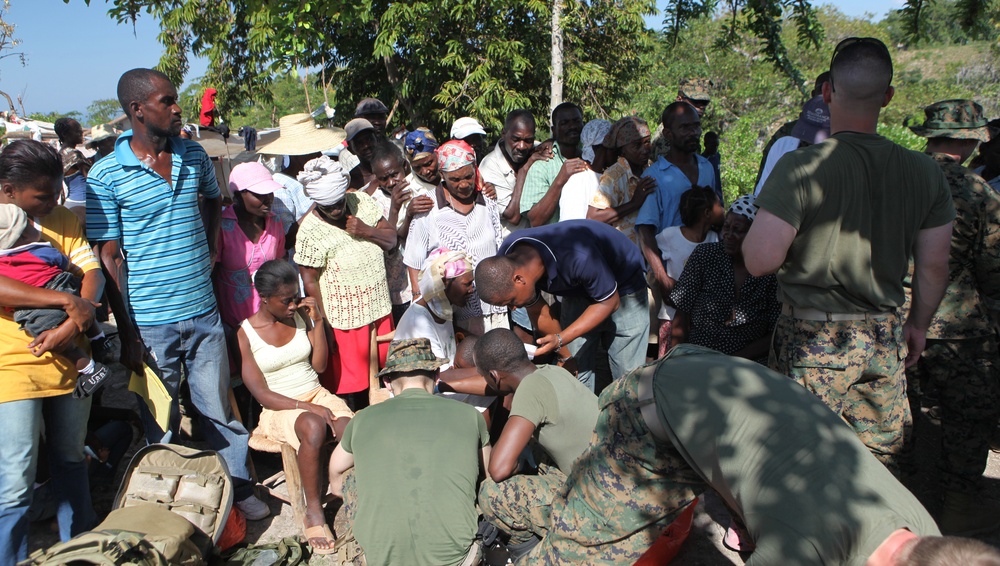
(857,202)
(416,463)
(807,489)
(563,410)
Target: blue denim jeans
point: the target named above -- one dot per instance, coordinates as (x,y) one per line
(626,332)
(197,347)
(64,421)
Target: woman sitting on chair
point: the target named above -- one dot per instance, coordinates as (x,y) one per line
(284,346)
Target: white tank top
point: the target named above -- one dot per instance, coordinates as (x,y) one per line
(287,369)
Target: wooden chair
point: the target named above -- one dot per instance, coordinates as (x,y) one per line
(377,393)
(289,475)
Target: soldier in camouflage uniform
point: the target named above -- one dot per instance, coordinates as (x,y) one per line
(622,492)
(961,360)
(807,489)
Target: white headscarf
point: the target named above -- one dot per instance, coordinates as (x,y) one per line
(324,180)
(13,221)
(593,134)
(744,206)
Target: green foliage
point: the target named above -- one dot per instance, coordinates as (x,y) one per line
(942,22)
(103,111)
(439,59)
(752,98)
(53,116)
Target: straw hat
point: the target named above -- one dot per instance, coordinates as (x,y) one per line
(300,136)
(100,133)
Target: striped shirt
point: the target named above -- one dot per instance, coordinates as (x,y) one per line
(160,228)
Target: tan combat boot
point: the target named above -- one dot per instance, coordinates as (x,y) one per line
(965,514)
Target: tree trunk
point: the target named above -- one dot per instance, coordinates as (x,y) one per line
(557,55)
(396,81)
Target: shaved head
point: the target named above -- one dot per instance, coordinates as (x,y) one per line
(862,71)
(136,86)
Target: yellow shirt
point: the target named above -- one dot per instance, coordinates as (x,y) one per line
(22,375)
(351,269)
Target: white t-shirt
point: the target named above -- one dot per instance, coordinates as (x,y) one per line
(780,148)
(418,322)
(576,195)
(675,250)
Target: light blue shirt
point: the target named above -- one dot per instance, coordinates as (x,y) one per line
(662,208)
(160,228)
(290,203)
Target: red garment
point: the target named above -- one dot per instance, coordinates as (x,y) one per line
(28,268)
(208,107)
(350,358)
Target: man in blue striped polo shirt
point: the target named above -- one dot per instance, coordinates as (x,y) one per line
(143,200)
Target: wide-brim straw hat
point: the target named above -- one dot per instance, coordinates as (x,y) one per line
(298,135)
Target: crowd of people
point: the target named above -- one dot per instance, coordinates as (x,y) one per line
(772,349)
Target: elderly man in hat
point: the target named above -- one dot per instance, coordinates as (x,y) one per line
(376,113)
(462,219)
(834,228)
(362,137)
(960,361)
(621,190)
(299,141)
(470,131)
(102,140)
(416,459)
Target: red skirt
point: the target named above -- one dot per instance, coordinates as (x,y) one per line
(350,367)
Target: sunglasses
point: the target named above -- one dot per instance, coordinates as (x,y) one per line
(854,41)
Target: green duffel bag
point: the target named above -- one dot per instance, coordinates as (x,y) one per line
(143,534)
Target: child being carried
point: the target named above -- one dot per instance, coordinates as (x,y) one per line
(24,258)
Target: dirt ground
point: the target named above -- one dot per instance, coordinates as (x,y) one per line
(703,547)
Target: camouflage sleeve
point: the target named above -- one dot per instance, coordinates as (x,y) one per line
(987,248)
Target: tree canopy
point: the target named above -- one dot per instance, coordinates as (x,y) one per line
(442,59)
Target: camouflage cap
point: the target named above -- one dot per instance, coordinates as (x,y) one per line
(413,354)
(956,119)
(696,89)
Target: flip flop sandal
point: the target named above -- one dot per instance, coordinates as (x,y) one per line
(320,531)
(738,539)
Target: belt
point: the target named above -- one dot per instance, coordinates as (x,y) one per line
(816,314)
(647,404)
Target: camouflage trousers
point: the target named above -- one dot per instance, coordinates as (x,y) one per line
(857,369)
(966,374)
(622,492)
(519,505)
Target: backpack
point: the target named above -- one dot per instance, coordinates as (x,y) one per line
(170,510)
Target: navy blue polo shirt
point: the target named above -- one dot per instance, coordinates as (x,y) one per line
(583,258)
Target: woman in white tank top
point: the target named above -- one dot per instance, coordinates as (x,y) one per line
(284,346)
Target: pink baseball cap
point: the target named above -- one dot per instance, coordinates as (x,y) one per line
(253,177)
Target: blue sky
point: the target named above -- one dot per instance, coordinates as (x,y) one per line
(76,53)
